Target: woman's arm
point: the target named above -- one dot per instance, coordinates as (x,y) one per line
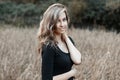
(74,53)
(47,62)
(65,76)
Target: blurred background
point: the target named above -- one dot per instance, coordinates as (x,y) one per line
(102,14)
(94,27)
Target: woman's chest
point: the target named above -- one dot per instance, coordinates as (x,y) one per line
(63,60)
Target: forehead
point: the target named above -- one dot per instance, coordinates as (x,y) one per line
(62,15)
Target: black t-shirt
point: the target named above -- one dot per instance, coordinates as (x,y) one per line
(55,62)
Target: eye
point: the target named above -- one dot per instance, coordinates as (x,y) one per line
(58,20)
(64,19)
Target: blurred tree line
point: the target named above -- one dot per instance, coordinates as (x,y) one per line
(83,13)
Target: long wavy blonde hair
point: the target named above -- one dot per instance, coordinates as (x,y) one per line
(47,25)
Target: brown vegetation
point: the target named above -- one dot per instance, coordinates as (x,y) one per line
(100,54)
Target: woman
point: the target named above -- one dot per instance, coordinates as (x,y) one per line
(57,49)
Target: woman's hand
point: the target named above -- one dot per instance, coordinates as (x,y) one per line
(65,36)
(74,71)
(66,76)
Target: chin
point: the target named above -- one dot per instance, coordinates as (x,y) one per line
(62,31)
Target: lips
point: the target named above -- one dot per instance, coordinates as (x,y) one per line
(63,29)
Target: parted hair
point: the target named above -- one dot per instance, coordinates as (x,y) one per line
(48,22)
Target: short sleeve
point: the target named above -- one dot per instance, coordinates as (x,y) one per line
(47,62)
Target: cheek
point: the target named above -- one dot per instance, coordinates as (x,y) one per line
(66,24)
(58,26)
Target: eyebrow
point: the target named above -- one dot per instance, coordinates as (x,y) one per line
(64,18)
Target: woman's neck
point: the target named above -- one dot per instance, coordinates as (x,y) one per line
(58,38)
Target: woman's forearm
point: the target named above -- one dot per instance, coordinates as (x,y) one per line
(75,54)
(65,76)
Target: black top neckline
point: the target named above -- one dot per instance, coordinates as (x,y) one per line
(62,50)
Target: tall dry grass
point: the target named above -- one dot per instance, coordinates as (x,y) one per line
(100,54)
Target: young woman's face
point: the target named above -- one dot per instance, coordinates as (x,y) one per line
(62,23)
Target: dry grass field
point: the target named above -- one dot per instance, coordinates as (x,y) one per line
(19,61)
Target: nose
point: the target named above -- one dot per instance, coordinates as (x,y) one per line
(61,24)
